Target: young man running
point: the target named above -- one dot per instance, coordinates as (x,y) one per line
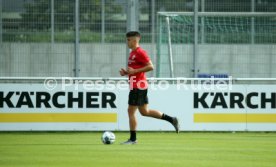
(138,64)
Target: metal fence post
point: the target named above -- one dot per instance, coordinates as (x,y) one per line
(132,19)
(103,21)
(195,48)
(52,22)
(133,15)
(153,34)
(202,23)
(1,31)
(252,22)
(77,39)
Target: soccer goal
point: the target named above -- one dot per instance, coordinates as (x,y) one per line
(216,43)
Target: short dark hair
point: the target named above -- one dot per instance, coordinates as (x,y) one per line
(133,34)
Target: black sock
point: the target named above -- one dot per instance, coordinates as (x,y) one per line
(133,135)
(167,118)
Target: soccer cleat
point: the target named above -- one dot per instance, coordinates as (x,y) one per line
(129,142)
(176,125)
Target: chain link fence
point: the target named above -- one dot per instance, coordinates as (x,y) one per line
(38,37)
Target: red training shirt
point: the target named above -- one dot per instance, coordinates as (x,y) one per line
(138,58)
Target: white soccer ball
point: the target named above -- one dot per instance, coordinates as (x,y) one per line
(108,137)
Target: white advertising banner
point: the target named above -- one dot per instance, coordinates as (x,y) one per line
(103,106)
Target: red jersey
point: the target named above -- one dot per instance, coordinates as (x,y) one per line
(138,58)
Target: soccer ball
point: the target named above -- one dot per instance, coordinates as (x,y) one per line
(108,137)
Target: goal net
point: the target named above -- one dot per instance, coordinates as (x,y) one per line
(226,43)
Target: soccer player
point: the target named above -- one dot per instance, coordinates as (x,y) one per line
(138,64)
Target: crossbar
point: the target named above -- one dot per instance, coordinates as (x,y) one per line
(220,14)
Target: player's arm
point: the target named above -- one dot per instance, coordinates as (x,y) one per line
(146,68)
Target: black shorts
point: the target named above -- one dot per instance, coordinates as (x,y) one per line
(138,97)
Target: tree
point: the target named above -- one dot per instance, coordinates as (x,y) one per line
(37,15)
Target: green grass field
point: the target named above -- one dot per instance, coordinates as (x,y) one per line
(71,149)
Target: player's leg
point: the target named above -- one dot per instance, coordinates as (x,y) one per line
(132,125)
(132,107)
(132,121)
(149,113)
(159,115)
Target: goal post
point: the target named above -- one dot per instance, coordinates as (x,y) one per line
(177,33)
(170,47)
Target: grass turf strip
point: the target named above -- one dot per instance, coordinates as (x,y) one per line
(66,149)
